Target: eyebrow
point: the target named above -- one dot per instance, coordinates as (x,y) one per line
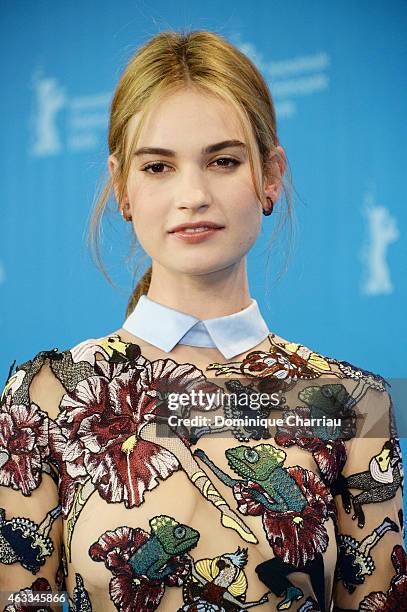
(213,148)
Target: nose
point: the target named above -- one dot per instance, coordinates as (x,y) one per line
(193,191)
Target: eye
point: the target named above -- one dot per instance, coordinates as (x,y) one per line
(251,455)
(155,168)
(179,532)
(227,162)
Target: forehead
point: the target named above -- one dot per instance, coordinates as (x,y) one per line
(187,120)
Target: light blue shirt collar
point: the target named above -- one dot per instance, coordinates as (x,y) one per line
(166,327)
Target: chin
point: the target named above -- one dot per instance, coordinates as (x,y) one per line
(203,267)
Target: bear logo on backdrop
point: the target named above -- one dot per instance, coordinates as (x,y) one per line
(382,232)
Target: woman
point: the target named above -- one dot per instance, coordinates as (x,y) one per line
(192,459)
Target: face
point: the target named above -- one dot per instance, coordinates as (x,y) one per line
(194,178)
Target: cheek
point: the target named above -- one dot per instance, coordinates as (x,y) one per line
(145,209)
(243,232)
(146,227)
(246,217)
(249,234)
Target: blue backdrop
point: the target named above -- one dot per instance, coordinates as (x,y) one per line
(337,72)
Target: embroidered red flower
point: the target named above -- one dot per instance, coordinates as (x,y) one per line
(329,454)
(102,419)
(295,536)
(396,596)
(23,445)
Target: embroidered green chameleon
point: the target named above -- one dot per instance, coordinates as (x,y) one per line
(168,539)
(262,464)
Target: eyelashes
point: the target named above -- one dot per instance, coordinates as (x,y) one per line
(158,166)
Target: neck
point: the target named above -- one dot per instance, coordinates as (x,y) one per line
(204,296)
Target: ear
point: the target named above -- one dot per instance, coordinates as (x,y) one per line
(273,179)
(113,165)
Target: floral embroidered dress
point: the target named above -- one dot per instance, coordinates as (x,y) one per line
(121,489)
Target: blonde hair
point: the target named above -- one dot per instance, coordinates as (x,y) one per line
(166,63)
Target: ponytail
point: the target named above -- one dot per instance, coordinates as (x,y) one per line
(140,289)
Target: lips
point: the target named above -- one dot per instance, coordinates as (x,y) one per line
(196,225)
(195,236)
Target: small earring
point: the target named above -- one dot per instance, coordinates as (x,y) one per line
(268,212)
(123,215)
